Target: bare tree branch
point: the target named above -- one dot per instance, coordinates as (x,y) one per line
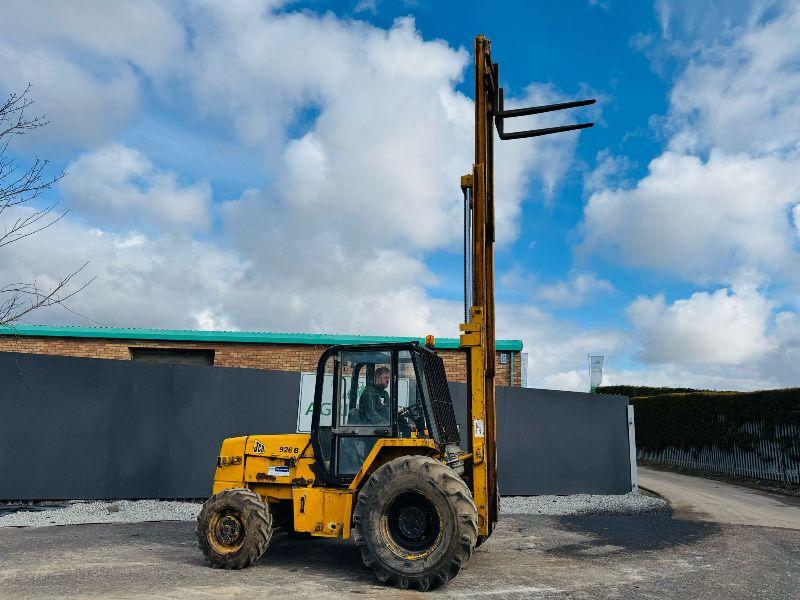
(19,299)
(28,225)
(19,187)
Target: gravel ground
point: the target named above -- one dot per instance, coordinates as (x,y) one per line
(138,511)
(121,511)
(582,504)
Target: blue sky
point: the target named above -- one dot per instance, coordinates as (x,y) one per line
(293,166)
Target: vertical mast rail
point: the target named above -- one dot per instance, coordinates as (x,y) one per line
(466,189)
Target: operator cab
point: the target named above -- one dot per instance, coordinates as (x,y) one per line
(368,392)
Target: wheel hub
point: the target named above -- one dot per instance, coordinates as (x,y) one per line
(228,530)
(412,522)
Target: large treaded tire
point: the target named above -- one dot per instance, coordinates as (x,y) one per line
(457,529)
(254,519)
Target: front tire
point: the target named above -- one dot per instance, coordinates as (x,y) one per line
(234,528)
(415,523)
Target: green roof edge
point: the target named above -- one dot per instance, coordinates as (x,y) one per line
(248,337)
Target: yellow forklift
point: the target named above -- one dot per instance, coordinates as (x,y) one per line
(383,463)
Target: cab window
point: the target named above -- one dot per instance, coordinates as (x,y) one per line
(365,389)
(411,415)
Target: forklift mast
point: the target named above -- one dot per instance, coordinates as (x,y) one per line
(478,330)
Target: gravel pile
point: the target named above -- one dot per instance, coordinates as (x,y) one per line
(121,511)
(127,511)
(582,504)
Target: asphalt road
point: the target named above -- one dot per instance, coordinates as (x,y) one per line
(701,499)
(527,557)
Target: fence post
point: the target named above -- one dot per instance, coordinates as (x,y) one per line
(632,445)
(779,448)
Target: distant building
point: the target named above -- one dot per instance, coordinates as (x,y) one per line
(247,349)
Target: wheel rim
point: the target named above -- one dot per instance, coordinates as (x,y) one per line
(411,525)
(226,532)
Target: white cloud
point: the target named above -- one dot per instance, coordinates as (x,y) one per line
(796,218)
(690,23)
(725,340)
(740,95)
(716,207)
(362,166)
(80,107)
(580,287)
(699,379)
(718,201)
(85,60)
(141,280)
(208,319)
(144,33)
(604,4)
(170,279)
(720,328)
(370,6)
(571,381)
(390,136)
(610,171)
(118,186)
(556,349)
(702,220)
(517,279)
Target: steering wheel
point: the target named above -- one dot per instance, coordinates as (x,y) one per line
(414,416)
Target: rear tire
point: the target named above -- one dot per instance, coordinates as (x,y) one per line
(233,529)
(415,523)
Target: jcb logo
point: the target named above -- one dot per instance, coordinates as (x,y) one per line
(258,447)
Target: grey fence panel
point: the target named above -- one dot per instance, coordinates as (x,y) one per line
(212,403)
(562,442)
(768,460)
(458,392)
(90,428)
(69,429)
(554,442)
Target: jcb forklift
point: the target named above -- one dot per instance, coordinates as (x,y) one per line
(383,463)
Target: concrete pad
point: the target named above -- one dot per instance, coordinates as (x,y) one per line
(701,499)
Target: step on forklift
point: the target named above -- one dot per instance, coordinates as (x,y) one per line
(383,463)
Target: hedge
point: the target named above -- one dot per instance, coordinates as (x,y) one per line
(635,391)
(696,419)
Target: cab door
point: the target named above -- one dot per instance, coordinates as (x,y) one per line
(366,402)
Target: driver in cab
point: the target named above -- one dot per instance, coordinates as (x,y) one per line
(374,404)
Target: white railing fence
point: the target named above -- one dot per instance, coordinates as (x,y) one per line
(775,459)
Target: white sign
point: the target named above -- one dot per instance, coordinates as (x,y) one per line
(595,372)
(305,403)
(278,471)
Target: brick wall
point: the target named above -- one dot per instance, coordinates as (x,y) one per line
(279,357)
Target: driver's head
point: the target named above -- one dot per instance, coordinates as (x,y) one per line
(382,377)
